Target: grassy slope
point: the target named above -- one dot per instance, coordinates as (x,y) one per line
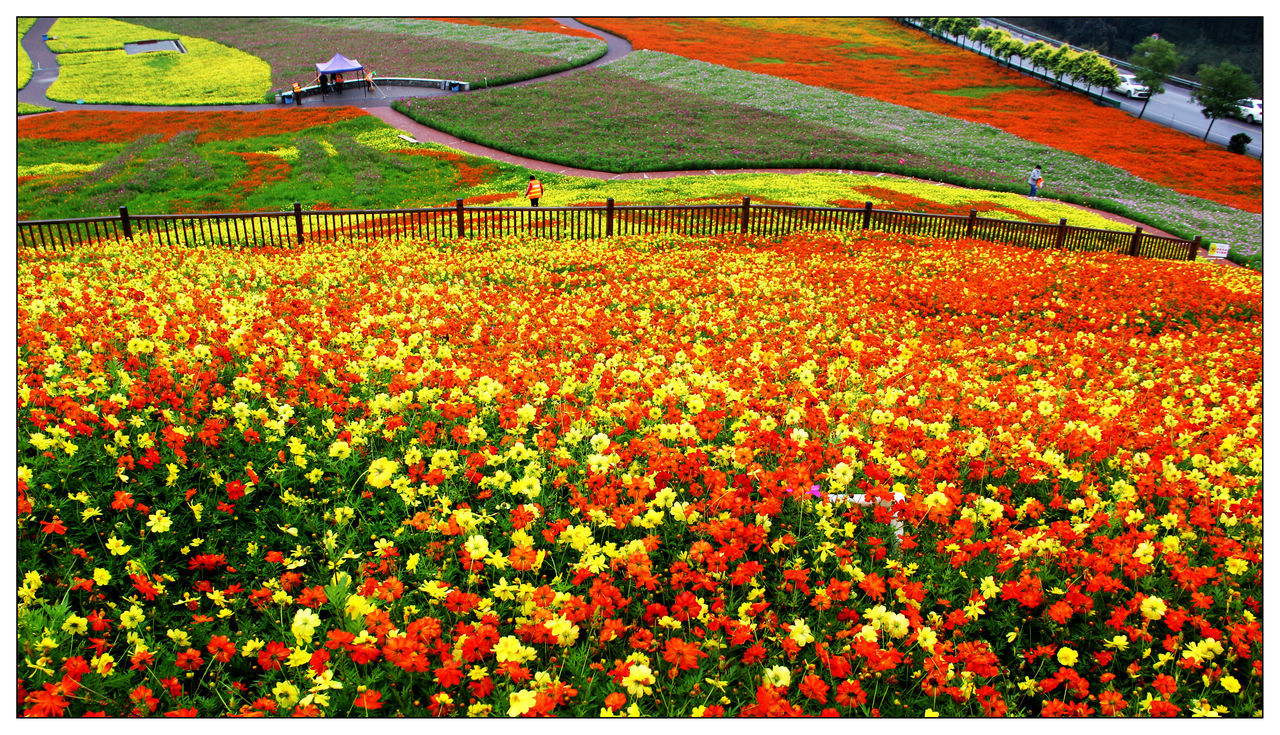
(361,163)
(579,128)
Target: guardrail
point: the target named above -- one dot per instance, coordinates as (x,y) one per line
(298,227)
(360,83)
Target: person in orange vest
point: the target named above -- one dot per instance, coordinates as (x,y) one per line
(337,83)
(534,192)
(297,94)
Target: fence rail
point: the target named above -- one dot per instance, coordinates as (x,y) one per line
(296,227)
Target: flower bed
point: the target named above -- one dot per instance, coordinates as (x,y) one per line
(65,151)
(321,154)
(100,71)
(881,59)
(670,112)
(389,47)
(521,478)
(810,190)
(24,61)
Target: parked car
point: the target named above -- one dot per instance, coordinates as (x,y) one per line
(1250,110)
(1130,87)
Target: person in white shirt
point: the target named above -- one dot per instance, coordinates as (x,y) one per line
(1034,179)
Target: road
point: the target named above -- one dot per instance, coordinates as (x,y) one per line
(1174,108)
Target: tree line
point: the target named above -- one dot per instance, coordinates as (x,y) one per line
(1153,59)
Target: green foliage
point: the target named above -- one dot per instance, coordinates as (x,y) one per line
(26,108)
(1239,142)
(1221,87)
(1154,60)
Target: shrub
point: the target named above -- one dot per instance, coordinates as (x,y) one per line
(1239,143)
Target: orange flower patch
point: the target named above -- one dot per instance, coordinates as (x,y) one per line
(264,169)
(905,202)
(878,58)
(109,126)
(468,171)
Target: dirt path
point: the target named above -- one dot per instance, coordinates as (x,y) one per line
(46,65)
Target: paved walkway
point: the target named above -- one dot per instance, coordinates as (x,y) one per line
(45,63)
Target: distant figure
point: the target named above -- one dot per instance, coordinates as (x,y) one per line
(297,94)
(337,83)
(324,83)
(534,192)
(1035,180)
(368,81)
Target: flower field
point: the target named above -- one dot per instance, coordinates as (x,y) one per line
(391,47)
(879,58)
(650,476)
(91,162)
(540,25)
(94,67)
(655,111)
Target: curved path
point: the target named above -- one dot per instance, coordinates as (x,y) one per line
(45,63)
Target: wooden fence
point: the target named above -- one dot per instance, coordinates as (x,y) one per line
(289,228)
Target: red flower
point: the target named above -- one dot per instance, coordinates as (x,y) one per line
(813,687)
(682,655)
(46,703)
(190,660)
(271,655)
(221,648)
(184,712)
(369,699)
(54,526)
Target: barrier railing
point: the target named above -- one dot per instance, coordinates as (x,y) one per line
(297,227)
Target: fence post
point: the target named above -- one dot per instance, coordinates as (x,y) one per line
(461,226)
(608,217)
(1062,234)
(1193,248)
(124,223)
(297,220)
(746,213)
(973,220)
(866,216)
(1137,240)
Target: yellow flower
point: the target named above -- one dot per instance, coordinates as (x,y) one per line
(286,693)
(1231,684)
(520,702)
(1067,656)
(75,625)
(1153,608)
(1119,642)
(1237,566)
(159,521)
(101,576)
(800,633)
(779,676)
(381,472)
(340,449)
(931,713)
(639,680)
(117,547)
(304,625)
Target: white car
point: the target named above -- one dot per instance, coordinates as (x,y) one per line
(1250,110)
(1130,87)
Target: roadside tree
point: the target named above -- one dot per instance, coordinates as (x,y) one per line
(1154,60)
(1221,88)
